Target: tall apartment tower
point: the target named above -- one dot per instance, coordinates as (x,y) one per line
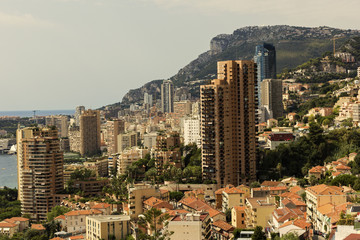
(271,98)
(228,124)
(40,170)
(265,59)
(113,129)
(78,111)
(90,132)
(148,99)
(167,96)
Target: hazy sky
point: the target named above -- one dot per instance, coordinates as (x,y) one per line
(57,54)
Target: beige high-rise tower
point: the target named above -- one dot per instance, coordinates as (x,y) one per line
(40,170)
(228,124)
(90,132)
(271,98)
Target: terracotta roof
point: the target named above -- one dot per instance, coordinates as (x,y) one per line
(233,190)
(239,208)
(327,208)
(101,206)
(353,236)
(223,225)
(60,217)
(177,211)
(77,237)
(83,212)
(188,200)
(323,189)
(37,227)
(20,219)
(295,189)
(200,205)
(163,191)
(298,202)
(343,167)
(290,195)
(301,223)
(9,220)
(219,191)
(270,189)
(7,224)
(335,174)
(316,169)
(270,183)
(153,201)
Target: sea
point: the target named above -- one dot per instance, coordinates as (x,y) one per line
(30,113)
(8,163)
(8,171)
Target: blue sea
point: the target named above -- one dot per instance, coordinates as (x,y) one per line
(38,113)
(8,171)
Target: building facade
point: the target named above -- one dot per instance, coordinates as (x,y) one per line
(167,96)
(40,170)
(90,132)
(271,99)
(228,124)
(265,59)
(113,129)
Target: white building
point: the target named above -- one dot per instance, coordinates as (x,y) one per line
(150,140)
(187,226)
(192,131)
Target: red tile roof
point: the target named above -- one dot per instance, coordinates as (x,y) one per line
(301,223)
(323,189)
(37,227)
(77,237)
(20,219)
(60,217)
(83,212)
(101,206)
(270,183)
(295,189)
(353,236)
(7,224)
(223,225)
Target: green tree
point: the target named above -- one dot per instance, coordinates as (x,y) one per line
(155,220)
(258,234)
(57,211)
(177,196)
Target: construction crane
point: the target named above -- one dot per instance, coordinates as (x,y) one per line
(335,38)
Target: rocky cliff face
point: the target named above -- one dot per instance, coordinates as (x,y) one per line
(294,46)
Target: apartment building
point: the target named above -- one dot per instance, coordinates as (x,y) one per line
(228,124)
(320,195)
(90,132)
(258,211)
(75,221)
(107,227)
(40,170)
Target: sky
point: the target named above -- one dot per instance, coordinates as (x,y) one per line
(58,54)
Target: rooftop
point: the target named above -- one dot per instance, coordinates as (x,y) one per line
(110,218)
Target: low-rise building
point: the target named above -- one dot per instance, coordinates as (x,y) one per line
(298,226)
(221,230)
(75,221)
(107,227)
(154,202)
(320,195)
(232,197)
(238,217)
(188,226)
(258,211)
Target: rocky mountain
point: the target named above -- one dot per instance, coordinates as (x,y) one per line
(294,46)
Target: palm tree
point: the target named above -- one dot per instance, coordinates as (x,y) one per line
(156,221)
